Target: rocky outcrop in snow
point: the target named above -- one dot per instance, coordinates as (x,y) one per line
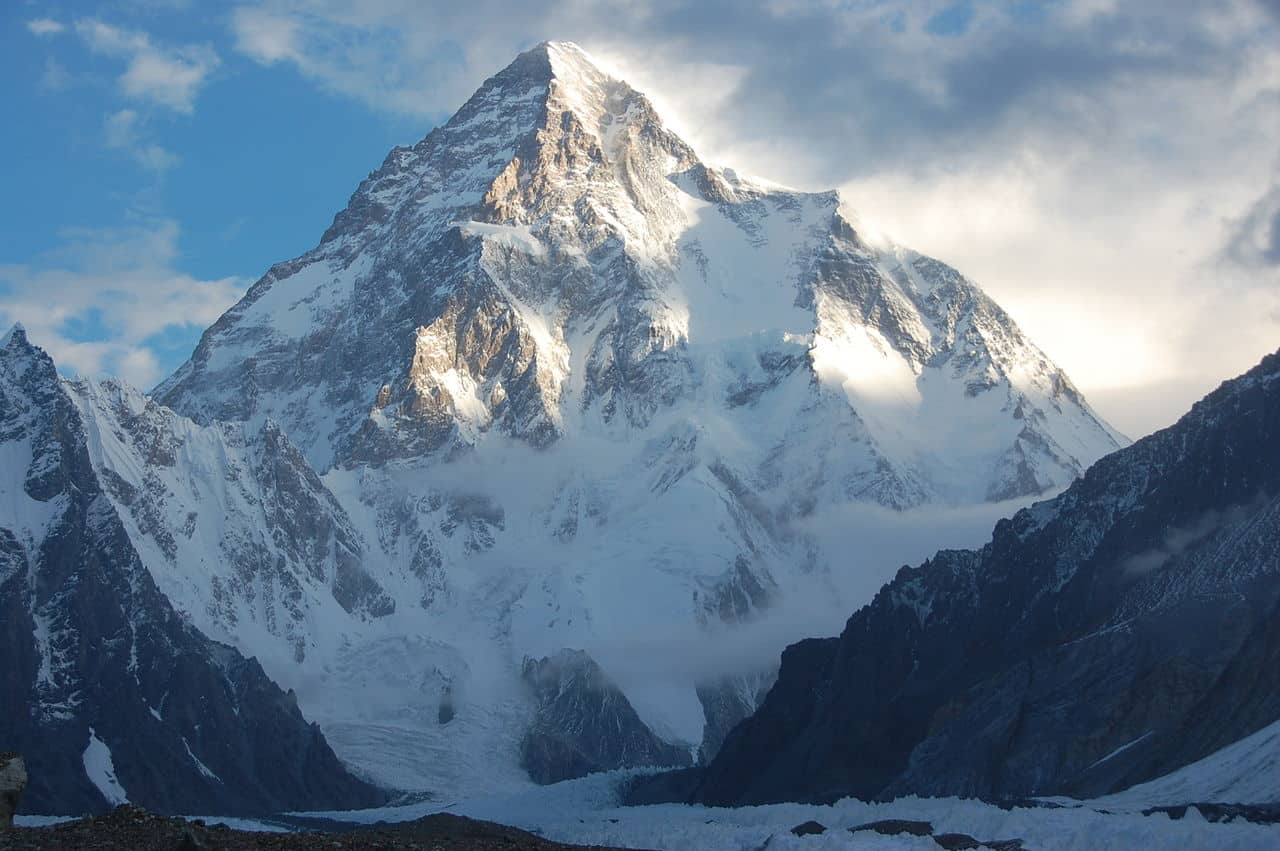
(584,724)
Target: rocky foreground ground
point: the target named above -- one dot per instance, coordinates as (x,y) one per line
(133,829)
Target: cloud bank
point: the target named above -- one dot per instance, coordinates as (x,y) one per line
(105,297)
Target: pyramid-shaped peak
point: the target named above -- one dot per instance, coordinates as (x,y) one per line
(561,59)
(536,91)
(567,58)
(573,77)
(558,73)
(17,332)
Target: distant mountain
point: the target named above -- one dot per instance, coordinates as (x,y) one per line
(1103,638)
(106,691)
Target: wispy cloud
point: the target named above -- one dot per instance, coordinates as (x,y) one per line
(100,300)
(169,77)
(45,26)
(122,132)
(1255,241)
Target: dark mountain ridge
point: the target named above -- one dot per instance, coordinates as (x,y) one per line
(1124,629)
(107,692)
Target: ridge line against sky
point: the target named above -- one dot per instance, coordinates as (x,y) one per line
(1107,171)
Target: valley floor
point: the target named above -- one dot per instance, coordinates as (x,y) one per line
(132,829)
(586,813)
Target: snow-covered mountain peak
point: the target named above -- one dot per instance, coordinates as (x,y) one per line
(565,381)
(553,260)
(576,86)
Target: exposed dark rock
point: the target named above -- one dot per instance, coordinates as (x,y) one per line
(963,841)
(446,711)
(809,828)
(13,780)
(132,829)
(584,723)
(725,702)
(894,827)
(1258,814)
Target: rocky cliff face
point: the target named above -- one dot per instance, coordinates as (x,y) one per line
(584,723)
(107,691)
(1111,635)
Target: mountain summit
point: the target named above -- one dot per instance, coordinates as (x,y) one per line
(554,261)
(553,401)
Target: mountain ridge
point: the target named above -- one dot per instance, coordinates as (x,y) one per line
(110,694)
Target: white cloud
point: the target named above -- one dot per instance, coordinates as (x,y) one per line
(45,26)
(1088,162)
(123,133)
(170,77)
(122,288)
(266,37)
(401,56)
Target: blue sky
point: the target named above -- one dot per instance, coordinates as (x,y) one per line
(1108,171)
(263,158)
(213,179)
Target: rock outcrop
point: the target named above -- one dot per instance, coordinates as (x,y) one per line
(13,781)
(583,723)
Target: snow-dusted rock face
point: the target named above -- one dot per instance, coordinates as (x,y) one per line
(107,692)
(566,387)
(584,724)
(240,522)
(1114,634)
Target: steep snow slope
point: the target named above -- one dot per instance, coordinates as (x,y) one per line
(1245,772)
(249,545)
(572,388)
